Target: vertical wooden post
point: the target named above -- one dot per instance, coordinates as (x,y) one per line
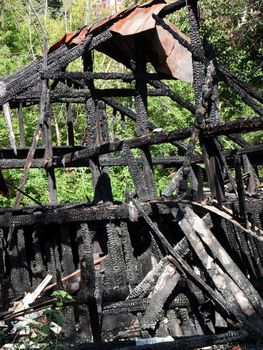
(21,125)
(141,110)
(52,188)
(96,136)
(70,124)
(241,192)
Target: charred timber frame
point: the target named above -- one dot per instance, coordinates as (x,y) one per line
(169,244)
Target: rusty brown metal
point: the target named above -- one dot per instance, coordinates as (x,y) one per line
(165,53)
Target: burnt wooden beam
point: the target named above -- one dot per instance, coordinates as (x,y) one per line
(196,45)
(7,161)
(183,267)
(244,125)
(78,96)
(165,285)
(241,192)
(230,291)
(30,76)
(171,8)
(126,77)
(222,73)
(70,124)
(142,123)
(186,343)
(228,264)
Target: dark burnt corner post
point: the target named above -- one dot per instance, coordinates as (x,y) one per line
(97,134)
(204,88)
(142,124)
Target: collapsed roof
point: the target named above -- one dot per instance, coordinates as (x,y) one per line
(164,52)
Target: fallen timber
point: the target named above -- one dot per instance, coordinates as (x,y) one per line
(182,268)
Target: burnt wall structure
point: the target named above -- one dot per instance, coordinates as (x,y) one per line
(184,265)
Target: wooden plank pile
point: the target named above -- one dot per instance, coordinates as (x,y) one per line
(183,268)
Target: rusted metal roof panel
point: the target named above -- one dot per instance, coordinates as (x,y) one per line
(162,50)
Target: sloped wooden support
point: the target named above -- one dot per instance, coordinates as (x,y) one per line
(233,295)
(145,286)
(163,288)
(11,135)
(58,61)
(230,267)
(149,281)
(174,183)
(241,192)
(237,86)
(183,267)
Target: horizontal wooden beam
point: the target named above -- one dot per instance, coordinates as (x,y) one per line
(82,212)
(80,96)
(126,77)
(244,125)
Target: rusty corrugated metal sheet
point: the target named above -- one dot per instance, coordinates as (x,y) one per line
(162,50)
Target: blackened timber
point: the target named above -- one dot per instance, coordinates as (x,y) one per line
(171,8)
(133,116)
(26,77)
(142,119)
(255,153)
(77,51)
(103,189)
(198,69)
(93,140)
(167,91)
(169,161)
(70,124)
(221,255)
(37,134)
(245,125)
(52,187)
(236,84)
(183,267)
(241,192)
(232,294)
(135,171)
(78,96)
(62,60)
(166,284)
(126,77)
(186,343)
